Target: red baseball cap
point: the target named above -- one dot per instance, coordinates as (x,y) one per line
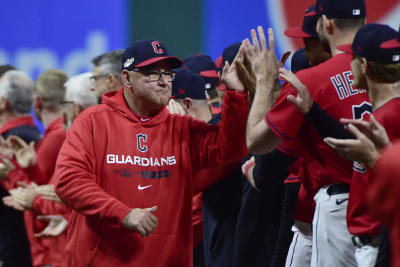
(308,28)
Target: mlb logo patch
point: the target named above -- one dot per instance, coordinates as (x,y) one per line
(356,12)
(396,58)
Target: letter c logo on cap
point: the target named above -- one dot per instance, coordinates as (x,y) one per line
(157,47)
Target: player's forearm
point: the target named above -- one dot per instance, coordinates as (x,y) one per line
(326,125)
(85,196)
(258,133)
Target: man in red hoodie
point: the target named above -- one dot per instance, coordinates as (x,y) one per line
(127,166)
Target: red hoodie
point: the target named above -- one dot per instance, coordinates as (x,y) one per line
(112,162)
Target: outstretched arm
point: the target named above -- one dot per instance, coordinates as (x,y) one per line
(260,139)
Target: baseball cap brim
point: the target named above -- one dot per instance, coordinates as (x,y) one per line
(209,73)
(346,48)
(296,32)
(174,62)
(221,87)
(394,43)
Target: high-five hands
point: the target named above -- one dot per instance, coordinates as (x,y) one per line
(230,73)
(303,100)
(263,60)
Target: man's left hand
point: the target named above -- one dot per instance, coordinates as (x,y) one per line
(230,75)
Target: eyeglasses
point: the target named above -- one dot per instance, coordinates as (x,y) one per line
(155,76)
(66,102)
(95,78)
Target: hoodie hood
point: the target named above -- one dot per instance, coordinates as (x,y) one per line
(116,101)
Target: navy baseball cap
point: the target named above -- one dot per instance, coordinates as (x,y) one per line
(308,28)
(201,64)
(188,84)
(341,9)
(299,61)
(230,53)
(367,44)
(394,43)
(146,52)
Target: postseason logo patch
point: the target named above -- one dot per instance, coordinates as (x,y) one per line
(128,62)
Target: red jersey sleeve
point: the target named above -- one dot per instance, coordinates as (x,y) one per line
(14,176)
(277,117)
(206,178)
(77,184)
(215,145)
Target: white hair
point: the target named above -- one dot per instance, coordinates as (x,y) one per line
(17,88)
(79,90)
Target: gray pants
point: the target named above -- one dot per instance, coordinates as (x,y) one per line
(332,244)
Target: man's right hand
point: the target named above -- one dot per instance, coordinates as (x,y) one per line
(141,220)
(303,100)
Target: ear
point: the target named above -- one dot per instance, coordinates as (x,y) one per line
(188,104)
(112,82)
(364,66)
(328,24)
(126,79)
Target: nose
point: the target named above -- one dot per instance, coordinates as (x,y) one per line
(163,79)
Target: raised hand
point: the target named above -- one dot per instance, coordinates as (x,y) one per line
(57,225)
(263,60)
(303,100)
(141,220)
(230,73)
(25,154)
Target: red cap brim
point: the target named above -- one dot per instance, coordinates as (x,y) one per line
(174,62)
(218,63)
(209,73)
(221,87)
(394,43)
(346,48)
(296,32)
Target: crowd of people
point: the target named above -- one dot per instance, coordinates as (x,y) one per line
(150,160)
